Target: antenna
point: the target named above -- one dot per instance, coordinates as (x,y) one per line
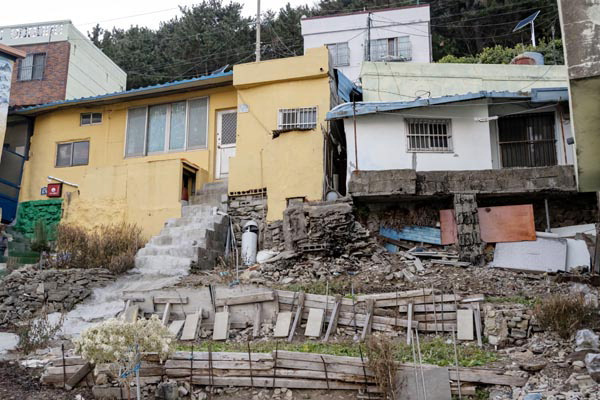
(527,21)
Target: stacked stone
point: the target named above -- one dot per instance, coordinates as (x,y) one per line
(248,207)
(24,292)
(509,324)
(467,228)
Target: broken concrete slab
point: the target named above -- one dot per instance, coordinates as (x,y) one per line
(314,322)
(176,326)
(221,326)
(282,326)
(131,313)
(545,254)
(410,387)
(464,324)
(192,323)
(578,254)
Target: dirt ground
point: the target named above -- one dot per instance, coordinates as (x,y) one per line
(17,383)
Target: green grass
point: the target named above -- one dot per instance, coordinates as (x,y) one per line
(436,351)
(336,286)
(512,299)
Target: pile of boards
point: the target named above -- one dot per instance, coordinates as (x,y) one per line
(278,369)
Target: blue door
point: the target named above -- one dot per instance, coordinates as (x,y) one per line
(11,171)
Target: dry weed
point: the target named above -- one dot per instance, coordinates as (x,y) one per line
(381,354)
(564,314)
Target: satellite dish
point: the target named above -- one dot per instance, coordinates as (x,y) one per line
(527,21)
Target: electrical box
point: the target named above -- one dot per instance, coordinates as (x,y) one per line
(54,190)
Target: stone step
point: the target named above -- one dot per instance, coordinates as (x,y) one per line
(163,264)
(217,186)
(176,251)
(168,240)
(197,209)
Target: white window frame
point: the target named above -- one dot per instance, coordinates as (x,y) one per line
(429,135)
(397,53)
(336,58)
(281,126)
(72,143)
(91,114)
(168,128)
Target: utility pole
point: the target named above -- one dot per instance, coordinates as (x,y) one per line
(257,30)
(369,37)
(532,33)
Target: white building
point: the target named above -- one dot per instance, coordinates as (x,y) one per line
(394,35)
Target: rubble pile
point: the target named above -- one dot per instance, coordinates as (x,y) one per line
(507,324)
(26,290)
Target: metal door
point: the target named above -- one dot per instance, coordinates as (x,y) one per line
(11,170)
(226,139)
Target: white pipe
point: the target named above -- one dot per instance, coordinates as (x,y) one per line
(62,181)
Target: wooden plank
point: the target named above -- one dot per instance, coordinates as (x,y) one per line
(191,326)
(394,295)
(78,376)
(333,319)
(314,322)
(478,328)
(447,298)
(297,317)
(267,382)
(204,364)
(318,358)
(278,373)
(448,227)
(176,326)
(257,320)
(172,300)
(409,325)
(245,299)
(418,265)
(475,376)
(282,326)
(221,356)
(368,320)
(58,362)
(166,314)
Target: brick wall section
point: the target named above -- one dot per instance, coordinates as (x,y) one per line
(54,84)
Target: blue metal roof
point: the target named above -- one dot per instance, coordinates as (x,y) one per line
(362,108)
(346,87)
(125,93)
(545,95)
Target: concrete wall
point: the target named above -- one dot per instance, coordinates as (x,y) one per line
(144,190)
(580,22)
(351,28)
(290,165)
(406,81)
(91,72)
(382,142)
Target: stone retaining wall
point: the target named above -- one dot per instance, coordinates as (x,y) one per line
(248,207)
(26,290)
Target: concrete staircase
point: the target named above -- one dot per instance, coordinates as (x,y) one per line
(198,236)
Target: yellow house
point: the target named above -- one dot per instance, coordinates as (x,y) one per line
(133,156)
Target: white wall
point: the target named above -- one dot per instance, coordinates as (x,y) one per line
(91,72)
(352,28)
(382,143)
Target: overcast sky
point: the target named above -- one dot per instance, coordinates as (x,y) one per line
(108,13)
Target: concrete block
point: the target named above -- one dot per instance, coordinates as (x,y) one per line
(221,326)
(314,322)
(282,326)
(176,326)
(437,384)
(190,329)
(465,322)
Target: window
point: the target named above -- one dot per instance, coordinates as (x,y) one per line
(527,140)
(340,54)
(297,119)
(90,118)
(32,67)
(167,127)
(391,49)
(72,154)
(429,135)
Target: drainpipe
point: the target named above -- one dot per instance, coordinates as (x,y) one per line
(355,137)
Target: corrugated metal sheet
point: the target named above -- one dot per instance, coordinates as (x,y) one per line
(346,87)
(363,108)
(146,90)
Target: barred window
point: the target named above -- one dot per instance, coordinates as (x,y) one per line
(297,118)
(32,67)
(391,49)
(429,135)
(340,54)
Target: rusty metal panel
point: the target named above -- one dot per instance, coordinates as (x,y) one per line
(497,224)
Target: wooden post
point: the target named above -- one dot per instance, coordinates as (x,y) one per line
(368,319)
(297,317)
(334,317)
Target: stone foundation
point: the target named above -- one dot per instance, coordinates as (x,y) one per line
(246,207)
(505,324)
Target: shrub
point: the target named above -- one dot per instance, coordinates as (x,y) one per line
(120,344)
(380,351)
(36,333)
(110,246)
(564,314)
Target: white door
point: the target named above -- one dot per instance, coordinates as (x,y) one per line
(226,138)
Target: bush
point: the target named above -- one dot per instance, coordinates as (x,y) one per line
(110,246)
(380,351)
(36,333)
(551,50)
(564,314)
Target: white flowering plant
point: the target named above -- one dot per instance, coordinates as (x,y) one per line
(120,344)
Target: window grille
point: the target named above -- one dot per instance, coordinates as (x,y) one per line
(429,135)
(340,54)
(32,67)
(228,128)
(391,49)
(527,140)
(297,118)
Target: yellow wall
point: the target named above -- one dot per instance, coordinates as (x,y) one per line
(290,165)
(145,190)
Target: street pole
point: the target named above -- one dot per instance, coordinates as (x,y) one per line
(257,30)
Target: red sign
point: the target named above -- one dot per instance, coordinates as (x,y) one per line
(54,190)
